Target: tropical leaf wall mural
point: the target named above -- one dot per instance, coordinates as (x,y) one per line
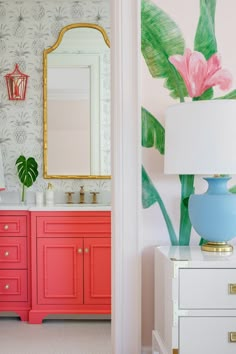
(187,73)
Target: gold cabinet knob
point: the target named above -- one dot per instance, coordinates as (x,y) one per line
(86,250)
(7,286)
(6,227)
(6,254)
(79,250)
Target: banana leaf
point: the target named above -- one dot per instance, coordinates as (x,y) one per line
(207,95)
(150,196)
(153,133)
(161,38)
(187,188)
(229,96)
(205,40)
(233,189)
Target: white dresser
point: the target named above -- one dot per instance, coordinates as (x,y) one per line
(195,302)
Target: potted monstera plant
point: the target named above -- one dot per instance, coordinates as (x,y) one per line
(27,170)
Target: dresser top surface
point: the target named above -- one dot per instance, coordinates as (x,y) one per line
(193,256)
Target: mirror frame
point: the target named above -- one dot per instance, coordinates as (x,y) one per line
(45,113)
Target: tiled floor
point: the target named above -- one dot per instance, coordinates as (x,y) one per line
(55,337)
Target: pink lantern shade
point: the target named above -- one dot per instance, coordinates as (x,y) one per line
(16,84)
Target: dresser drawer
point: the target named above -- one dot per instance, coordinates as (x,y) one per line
(207,335)
(206,289)
(13,285)
(13,253)
(61,226)
(13,225)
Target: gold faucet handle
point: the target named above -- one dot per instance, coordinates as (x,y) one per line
(81,190)
(69,197)
(81,195)
(94,197)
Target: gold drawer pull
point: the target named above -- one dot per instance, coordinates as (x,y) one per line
(79,250)
(6,254)
(7,286)
(232,337)
(6,227)
(86,250)
(232,289)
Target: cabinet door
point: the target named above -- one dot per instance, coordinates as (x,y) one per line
(97,270)
(60,271)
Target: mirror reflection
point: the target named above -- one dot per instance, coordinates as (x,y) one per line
(77,104)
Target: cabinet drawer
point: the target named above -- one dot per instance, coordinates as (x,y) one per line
(13,225)
(61,226)
(13,253)
(207,335)
(13,285)
(206,289)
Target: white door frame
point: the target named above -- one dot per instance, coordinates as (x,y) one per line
(126,177)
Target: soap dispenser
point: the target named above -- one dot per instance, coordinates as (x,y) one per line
(49,195)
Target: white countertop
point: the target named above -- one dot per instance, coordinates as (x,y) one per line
(56,207)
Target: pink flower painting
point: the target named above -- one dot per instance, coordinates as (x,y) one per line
(200,74)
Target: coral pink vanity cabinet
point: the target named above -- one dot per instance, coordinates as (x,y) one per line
(14,263)
(71,263)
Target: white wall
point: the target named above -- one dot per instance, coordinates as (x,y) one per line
(155,98)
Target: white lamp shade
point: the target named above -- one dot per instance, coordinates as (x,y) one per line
(2,181)
(200,138)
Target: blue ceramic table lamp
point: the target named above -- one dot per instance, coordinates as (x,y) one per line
(200,138)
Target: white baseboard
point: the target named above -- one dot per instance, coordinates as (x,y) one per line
(146,350)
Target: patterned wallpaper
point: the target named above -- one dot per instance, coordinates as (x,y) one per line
(26,28)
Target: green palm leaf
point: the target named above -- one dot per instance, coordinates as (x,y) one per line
(161,38)
(205,40)
(153,133)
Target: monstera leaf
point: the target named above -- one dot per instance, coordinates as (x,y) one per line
(27,170)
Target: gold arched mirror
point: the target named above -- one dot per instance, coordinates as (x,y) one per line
(76,94)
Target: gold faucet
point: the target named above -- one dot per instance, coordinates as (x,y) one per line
(81,195)
(69,197)
(94,199)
